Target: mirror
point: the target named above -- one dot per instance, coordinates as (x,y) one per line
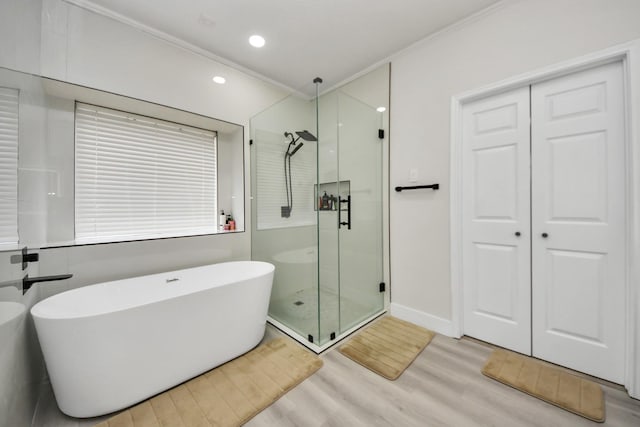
(40,203)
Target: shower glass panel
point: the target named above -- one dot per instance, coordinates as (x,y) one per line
(328,209)
(317,209)
(284,212)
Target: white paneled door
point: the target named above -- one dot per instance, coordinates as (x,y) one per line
(496,215)
(544,221)
(578,218)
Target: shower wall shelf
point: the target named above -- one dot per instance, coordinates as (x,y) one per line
(335,189)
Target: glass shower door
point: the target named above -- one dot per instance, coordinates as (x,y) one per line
(360,237)
(350,231)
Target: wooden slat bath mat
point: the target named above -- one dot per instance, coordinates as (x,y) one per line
(548,383)
(229,395)
(388,346)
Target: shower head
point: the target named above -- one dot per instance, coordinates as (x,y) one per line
(295,150)
(306,135)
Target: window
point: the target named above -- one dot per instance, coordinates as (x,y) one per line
(138,177)
(8,166)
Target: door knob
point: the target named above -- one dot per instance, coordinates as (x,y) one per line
(545,235)
(517,234)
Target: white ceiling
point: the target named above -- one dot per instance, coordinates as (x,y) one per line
(333,39)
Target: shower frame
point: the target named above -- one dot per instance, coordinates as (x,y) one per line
(323,338)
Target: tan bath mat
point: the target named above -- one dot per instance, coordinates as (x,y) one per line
(551,384)
(388,346)
(229,395)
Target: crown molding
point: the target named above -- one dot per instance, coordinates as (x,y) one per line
(477,16)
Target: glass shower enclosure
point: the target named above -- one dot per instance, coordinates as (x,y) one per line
(317,207)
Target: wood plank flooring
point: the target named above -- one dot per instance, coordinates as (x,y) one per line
(443,387)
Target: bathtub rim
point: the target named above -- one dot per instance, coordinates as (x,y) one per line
(41,310)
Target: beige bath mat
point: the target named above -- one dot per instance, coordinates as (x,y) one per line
(551,384)
(388,346)
(229,395)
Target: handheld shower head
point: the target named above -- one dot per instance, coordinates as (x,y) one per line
(304,134)
(285,211)
(295,150)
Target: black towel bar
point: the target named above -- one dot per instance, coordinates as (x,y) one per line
(416,187)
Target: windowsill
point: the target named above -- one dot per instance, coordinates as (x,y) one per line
(75,243)
(10,247)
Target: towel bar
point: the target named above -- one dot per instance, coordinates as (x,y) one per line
(415,187)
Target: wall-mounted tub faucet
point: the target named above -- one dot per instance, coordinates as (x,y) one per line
(28,281)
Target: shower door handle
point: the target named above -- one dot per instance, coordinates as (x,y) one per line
(348,202)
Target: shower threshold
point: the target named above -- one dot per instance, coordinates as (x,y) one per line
(329,344)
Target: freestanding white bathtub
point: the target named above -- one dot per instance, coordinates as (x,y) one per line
(111,345)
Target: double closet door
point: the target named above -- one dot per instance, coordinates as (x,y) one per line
(544,221)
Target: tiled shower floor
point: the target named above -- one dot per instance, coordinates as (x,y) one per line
(299,311)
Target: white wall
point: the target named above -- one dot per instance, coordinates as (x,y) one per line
(62,41)
(88,49)
(65,42)
(20,35)
(230,178)
(85,48)
(518,37)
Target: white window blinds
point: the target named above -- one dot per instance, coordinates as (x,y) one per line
(9,165)
(271,191)
(138,177)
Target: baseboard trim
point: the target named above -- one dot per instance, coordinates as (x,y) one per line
(420,318)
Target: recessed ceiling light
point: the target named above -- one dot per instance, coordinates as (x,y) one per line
(381,109)
(256,41)
(220,80)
